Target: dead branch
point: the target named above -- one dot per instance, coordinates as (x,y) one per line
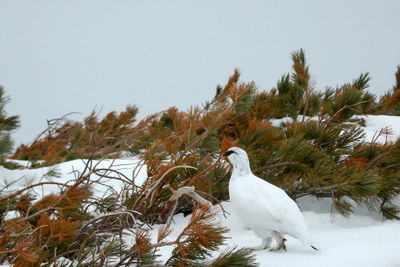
(150,191)
(30,187)
(52,124)
(176,195)
(190,191)
(224,211)
(126,180)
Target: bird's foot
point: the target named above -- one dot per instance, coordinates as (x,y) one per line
(265,244)
(256,248)
(281,246)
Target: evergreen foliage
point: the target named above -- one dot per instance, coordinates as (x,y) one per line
(305,156)
(66,140)
(232,258)
(7,125)
(390,102)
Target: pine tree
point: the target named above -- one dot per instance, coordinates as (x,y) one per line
(7,125)
(65,139)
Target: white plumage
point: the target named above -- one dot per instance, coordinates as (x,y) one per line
(264,207)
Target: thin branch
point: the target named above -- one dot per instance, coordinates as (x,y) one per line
(29,187)
(327,188)
(370,165)
(224,211)
(39,212)
(149,192)
(321,190)
(92,221)
(126,180)
(390,166)
(337,114)
(279,164)
(51,124)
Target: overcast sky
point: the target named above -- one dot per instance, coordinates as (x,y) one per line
(67,56)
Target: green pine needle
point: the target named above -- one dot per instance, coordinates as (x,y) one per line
(234,258)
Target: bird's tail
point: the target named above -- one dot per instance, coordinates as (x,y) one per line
(306,240)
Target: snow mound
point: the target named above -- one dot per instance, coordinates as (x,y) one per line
(67,172)
(374,124)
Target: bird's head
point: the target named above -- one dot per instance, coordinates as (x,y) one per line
(238,158)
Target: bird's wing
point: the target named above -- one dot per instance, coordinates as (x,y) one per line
(274,200)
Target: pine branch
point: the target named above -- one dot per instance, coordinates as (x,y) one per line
(372,162)
(201,236)
(326,188)
(390,166)
(322,191)
(337,113)
(234,258)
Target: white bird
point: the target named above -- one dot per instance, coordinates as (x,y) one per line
(263,207)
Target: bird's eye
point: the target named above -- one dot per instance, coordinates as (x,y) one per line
(227,153)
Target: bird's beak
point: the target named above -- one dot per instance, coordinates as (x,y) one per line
(225,154)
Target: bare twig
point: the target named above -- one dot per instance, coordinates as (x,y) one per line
(125,180)
(177,194)
(30,187)
(224,211)
(52,124)
(150,191)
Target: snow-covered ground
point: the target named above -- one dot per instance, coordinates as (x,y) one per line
(362,239)
(355,241)
(375,123)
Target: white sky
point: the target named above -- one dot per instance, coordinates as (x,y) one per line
(67,56)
